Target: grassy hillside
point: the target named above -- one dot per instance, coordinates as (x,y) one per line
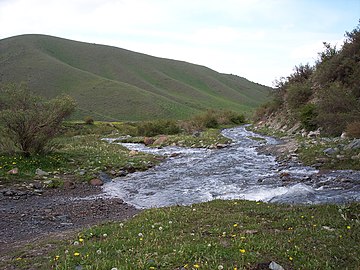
(110,83)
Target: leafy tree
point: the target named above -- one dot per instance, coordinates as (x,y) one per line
(29,120)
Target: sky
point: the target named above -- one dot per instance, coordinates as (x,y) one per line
(261,40)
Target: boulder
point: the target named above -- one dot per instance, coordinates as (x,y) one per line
(40,172)
(161,140)
(355,144)
(344,135)
(13,171)
(148,141)
(221,145)
(96,182)
(313,134)
(274,266)
(330,151)
(68,184)
(104,177)
(133,153)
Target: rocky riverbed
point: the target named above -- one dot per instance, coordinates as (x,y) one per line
(31,215)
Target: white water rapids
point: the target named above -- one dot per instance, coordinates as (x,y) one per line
(235,172)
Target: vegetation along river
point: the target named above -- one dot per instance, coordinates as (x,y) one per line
(238,171)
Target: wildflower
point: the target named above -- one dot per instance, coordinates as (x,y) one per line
(81,240)
(76,254)
(76,243)
(220,267)
(140,235)
(242,237)
(348,227)
(66,251)
(242,250)
(152,267)
(18,258)
(291,258)
(233,235)
(114,268)
(170,222)
(196,266)
(56,257)
(235,225)
(258,203)
(235,268)
(302,217)
(105,235)
(160,228)
(209,245)
(153,226)
(235,203)
(98,251)
(121,225)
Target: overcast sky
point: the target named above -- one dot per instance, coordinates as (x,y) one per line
(260,40)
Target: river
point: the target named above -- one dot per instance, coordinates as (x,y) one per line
(238,171)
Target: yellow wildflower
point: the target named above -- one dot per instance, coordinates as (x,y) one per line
(76,254)
(242,250)
(348,227)
(196,266)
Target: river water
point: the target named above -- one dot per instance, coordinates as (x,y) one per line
(238,171)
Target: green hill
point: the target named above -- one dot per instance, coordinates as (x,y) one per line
(110,83)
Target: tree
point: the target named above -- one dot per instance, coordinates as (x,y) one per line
(30,121)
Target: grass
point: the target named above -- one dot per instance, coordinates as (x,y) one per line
(81,152)
(114,84)
(228,234)
(312,152)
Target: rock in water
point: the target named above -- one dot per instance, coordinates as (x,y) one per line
(148,141)
(161,140)
(104,177)
(274,266)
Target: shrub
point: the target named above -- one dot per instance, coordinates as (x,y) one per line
(89,120)
(29,120)
(307,115)
(298,94)
(337,106)
(353,129)
(153,128)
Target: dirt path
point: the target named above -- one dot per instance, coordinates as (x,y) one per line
(55,213)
